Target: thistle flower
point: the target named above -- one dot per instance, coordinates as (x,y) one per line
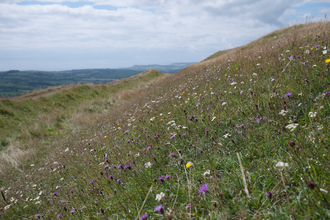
(161,179)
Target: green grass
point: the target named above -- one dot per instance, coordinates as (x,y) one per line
(208,115)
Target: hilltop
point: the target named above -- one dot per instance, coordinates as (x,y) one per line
(243,134)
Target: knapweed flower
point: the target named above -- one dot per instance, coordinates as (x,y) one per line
(188,206)
(37,215)
(159,208)
(91,181)
(167,176)
(54,193)
(204,188)
(288,95)
(189,164)
(59,215)
(144,217)
(72,211)
(161,179)
(126,132)
(128,167)
(118,180)
(160,196)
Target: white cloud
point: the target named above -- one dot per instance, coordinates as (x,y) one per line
(193,29)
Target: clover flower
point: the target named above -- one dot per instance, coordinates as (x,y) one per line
(148,165)
(160,196)
(291,127)
(312,114)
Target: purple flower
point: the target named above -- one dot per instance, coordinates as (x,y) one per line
(161,179)
(144,216)
(167,176)
(198,104)
(118,180)
(143,149)
(126,132)
(202,111)
(183,135)
(172,154)
(317,46)
(145,128)
(299,104)
(204,188)
(54,193)
(269,194)
(147,135)
(306,79)
(291,58)
(188,206)
(72,211)
(159,208)
(272,80)
(115,146)
(128,141)
(110,176)
(128,167)
(288,95)
(172,136)
(258,120)
(20,186)
(91,181)
(37,215)
(59,215)
(120,166)
(106,166)
(241,92)
(148,148)
(156,136)
(89,162)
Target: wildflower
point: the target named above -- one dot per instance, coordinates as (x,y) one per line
(283,112)
(291,57)
(144,217)
(72,211)
(148,165)
(226,135)
(91,181)
(160,208)
(37,215)
(59,215)
(54,193)
(167,176)
(189,164)
(269,194)
(204,188)
(312,114)
(32,165)
(183,135)
(307,51)
(128,167)
(291,127)
(241,92)
(281,164)
(327,60)
(188,206)
(172,154)
(161,179)
(224,103)
(160,196)
(324,190)
(118,180)
(7,207)
(288,95)
(299,104)
(324,51)
(207,172)
(126,132)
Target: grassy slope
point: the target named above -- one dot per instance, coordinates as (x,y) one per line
(193,127)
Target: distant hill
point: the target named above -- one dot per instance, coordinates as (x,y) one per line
(15,82)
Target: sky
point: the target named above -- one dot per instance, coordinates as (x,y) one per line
(61,35)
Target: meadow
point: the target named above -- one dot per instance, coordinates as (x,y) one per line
(243,134)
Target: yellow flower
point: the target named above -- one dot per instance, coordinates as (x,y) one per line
(226,75)
(235,74)
(105,136)
(327,60)
(188,164)
(161,119)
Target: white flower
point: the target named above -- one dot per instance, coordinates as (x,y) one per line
(283,112)
(12,199)
(161,114)
(170,122)
(102,163)
(147,165)
(319,127)
(212,93)
(152,119)
(281,164)
(258,64)
(306,51)
(66,150)
(213,118)
(160,196)
(32,165)
(287,51)
(226,135)
(7,207)
(324,190)
(242,82)
(37,202)
(40,193)
(138,154)
(312,114)
(259,57)
(291,127)
(254,74)
(224,103)
(324,51)
(233,83)
(207,172)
